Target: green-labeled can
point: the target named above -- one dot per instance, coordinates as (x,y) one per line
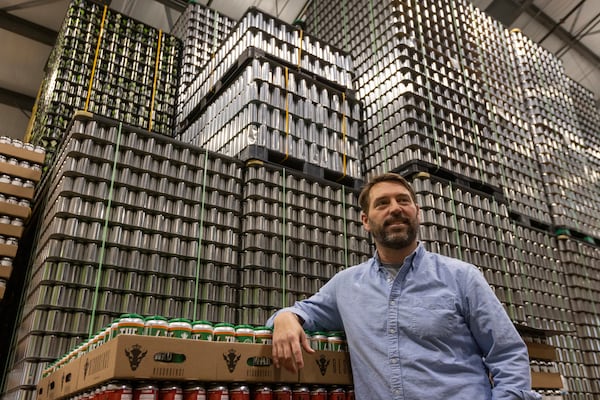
(263,335)
(318,341)
(131,324)
(180,328)
(244,334)
(202,330)
(156,325)
(224,332)
(336,341)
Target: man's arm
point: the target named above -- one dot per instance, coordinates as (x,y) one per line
(289,339)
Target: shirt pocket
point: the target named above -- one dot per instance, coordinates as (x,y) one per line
(433,316)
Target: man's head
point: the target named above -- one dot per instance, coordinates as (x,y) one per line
(390,212)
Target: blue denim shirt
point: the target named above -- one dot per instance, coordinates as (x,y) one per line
(432,332)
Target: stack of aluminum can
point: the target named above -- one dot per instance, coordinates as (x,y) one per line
(297,232)
(130,221)
(274,87)
(109,64)
(201,31)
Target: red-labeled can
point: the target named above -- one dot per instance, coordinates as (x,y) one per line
(301,392)
(145,391)
(118,391)
(350,393)
(282,392)
(194,391)
(337,393)
(170,391)
(239,392)
(318,393)
(262,392)
(217,392)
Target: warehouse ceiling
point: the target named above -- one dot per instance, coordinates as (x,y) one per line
(568,28)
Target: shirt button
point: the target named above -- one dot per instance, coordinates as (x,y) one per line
(392,303)
(396,392)
(392,330)
(394,360)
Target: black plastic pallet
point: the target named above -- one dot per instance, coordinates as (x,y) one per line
(530,222)
(413,168)
(261,153)
(566,232)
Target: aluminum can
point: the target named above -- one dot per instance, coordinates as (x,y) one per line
(118,391)
(239,392)
(194,391)
(131,324)
(301,392)
(282,392)
(262,392)
(180,328)
(350,393)
(336,393)
(263,334)
(145,391)
(155,325)
(202,330)
(318,393)
(336,341)
(244,334)
(318,341)
(170,391)
(217,392)
(224,332)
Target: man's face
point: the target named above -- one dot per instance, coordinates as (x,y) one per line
(393,217)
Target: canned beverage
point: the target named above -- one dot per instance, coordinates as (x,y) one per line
(282,392)
(155,325)
(180,328)
(117,390)
(194,391)
(244,334)
(202,330)
(262,392)
(336,393)
(318,393)
(336,341)
(170,391)
(350,393)
(217,392)
(114,328)
(239,392)
(145,391)
(318,341)
(301,392)
(263,334)
(224,332)
(130,324)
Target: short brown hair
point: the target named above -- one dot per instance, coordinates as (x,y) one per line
(363,198)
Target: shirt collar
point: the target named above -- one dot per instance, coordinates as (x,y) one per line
(416,255)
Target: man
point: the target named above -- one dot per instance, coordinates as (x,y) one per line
(419,325)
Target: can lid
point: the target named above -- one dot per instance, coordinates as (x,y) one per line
(133,315)
(224,325)
(263,328)
(244,326)
(336,333)
(202,322)
(179,320)
(155,317)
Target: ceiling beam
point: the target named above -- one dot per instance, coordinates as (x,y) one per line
(28,29)
(16,100)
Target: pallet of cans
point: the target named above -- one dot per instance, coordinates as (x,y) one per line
(157,356)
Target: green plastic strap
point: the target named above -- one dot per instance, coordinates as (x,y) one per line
(283,242)
(374,49)
(455,220)
(428,87)
(462,63)
(105,232)
(200,237)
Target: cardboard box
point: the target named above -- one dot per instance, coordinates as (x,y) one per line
(11,230)
(8,250)
(23,154)
(15,210)
(17,191)
(134,357)
(546,380)
(60,384)
(541,351)
(20,172)
(5,271)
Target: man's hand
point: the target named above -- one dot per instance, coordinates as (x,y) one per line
(288,341)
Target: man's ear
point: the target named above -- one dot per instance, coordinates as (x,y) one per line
(365,221)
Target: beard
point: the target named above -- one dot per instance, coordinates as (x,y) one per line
(395,237)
